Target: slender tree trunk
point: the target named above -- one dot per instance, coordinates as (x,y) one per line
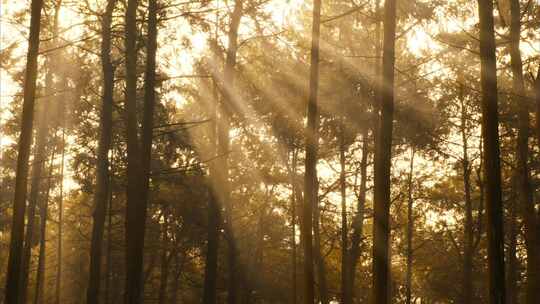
(13,277)
(102,170)
(226,108)
(38,164)
(410,230)
(537,97)
(512,275)
(40,275)
(214,208)
(108,267)
(292,174)
(139,156)
(317,248)
(58,293)
(358,221)
(381,227)
(344,226)
(133,267)
(524,188)
(210,273)
(165,258)
(490,123)
(468,229)
(310,175)
(537,101)
(37,167)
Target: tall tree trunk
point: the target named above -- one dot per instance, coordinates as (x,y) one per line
(226,108)
(468,229)
(310,175)
(133,267)
(214,208)
(537,97)
(344,226)
(358,221)
(512,262)
(13,277)
(58,292)
(490,124)
(317,248)
(524,188)
(292,174)
(102,170)
(410,230)
(210,270)
(537,104)
(381,227)
(139,156)
(40,274)
(108,264)
(37,167)
(165,258)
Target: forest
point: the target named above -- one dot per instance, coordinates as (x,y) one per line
(270,151)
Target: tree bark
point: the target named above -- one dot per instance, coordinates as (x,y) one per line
(165,258)
(13,277)
(358,221)
(344,226)
(102,170)
(214,208)
(40,274)
(108,265)
(225,111)
(133,266)
(139,156)
(381,228)
(468,227)
(512,275)
(410,231)
(310,175)
(524,188)
(37,167)
(292,175)
(317,248)
(490,123)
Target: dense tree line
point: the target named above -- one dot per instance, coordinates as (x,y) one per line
(256,151)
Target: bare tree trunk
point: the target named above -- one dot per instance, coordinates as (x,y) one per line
(468,229)
(133,266)
(35,185)
(410,230)
(319,259)
(490,123)
(108,267)
(311,138)
(512,275)
(37,167)
(13,277)
(381,227)
(58,293)
(139,156)
(344,226)
(358,221)
(102,169)
(40,275)
(537,97)
(165,258)
(293,226)
(226,108)
(524,188)
(214,208)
